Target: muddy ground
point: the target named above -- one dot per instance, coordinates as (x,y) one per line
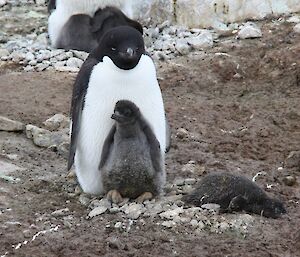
(239,102)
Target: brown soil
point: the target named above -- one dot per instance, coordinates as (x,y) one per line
(241,108)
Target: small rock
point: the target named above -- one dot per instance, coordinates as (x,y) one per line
(42,39)
(67,69)
(169,223)
(211,206)
(294,19)
(29,56)
(297,28)
(249,30)
(58,121)
(114,243)
(10,125)
(4,52)
(41,66)
(40,2)
(289,180)
(182,133)
(97,211)
(201,41)
(170,214)
(98,203)
(80,54)
(118,224)
(74,62)
(133,211)
(179,181)
(3,2)
(17,56)
(33,63)
(7,168)
(194,223)
(293,160)
(83,199)
(182,46)
(61,212)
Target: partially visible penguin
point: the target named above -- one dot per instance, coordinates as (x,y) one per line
(81,32)
(131,162)
(117,69)
(62,10)
(234,193)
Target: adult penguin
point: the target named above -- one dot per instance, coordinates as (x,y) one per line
(117,69)
(62,10)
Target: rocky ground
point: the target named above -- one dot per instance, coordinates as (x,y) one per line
(233,105)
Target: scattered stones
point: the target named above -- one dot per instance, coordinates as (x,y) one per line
(168,223)
(74,62)
(297,28)
(7,124)
(56,122)
(84,199)
(289,180)
(249,30)
(97,211)
(45,138)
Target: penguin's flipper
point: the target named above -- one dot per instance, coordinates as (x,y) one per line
(107,146)
(51,5)
(154,146)
(79,92)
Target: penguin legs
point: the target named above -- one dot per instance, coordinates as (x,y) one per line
(144,197)
(114,196)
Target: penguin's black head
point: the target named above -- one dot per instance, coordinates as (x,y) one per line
(124,45)
(125,112)
(273,208)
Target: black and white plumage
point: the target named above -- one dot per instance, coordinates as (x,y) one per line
(117,69)
(234,193)
(131,160)
(72,20)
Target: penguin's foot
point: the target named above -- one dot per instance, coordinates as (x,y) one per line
(144,197)
(114,196)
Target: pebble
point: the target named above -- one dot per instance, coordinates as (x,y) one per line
(80,54)
(133,210)
(201,41)
(249,30)
(74,62)
(182,133)
(61,212)
(4,52)
(289,180)
(114,243)
(84,199)
(293,160)
(170,214)
(294,19)
(56,122)
(2,3)
(297,28)
(97,211)
(7,124)
(211,206)
(168,223)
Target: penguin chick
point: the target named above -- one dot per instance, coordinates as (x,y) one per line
(131,161)
(234,193)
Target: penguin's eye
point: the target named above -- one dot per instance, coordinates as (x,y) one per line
(113,49)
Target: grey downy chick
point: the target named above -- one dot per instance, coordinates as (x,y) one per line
(131,162)
(234,193)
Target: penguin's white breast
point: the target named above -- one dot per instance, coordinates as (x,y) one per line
(107,85)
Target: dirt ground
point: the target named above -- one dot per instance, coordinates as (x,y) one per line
(240,102)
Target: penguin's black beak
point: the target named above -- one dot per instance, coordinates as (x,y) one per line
(129,54)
